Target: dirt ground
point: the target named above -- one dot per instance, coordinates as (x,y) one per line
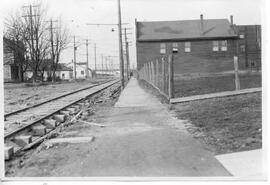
(204,85)
(50,159)
(225,125)
(229,124)
(21,95)
(135,142)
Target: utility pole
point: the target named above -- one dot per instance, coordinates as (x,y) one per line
(102,63)
(95,51)
(120,46)
(74,61)
(86,68)
(106,65)
(127,53)
(52,47)
(34,46)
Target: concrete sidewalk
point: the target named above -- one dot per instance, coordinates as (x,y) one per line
(134,96)
(140,139)
(158,144)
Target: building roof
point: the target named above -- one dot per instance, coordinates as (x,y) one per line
(47,66)
(80,63)
(184,30)
(63,67)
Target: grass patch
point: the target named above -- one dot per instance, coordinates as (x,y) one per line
(150,89)
(205,85)
(228,124)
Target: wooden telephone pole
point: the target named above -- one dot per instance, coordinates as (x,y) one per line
(127,53)
(120,46)
(86,67)
(74,61)
(95,51)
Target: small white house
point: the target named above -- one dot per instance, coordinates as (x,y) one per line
(81,70)
(63,72)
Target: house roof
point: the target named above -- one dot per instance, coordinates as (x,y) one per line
(62,67)
(184,30)
(80,63)
(47,66)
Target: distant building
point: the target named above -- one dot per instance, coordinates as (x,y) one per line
(81,70)
(250,45)
(199,46)
(10,61)
(62,72)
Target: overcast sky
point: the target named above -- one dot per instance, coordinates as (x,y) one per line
(105,11)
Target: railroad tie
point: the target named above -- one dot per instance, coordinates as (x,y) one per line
(76,107)
(39,130)
(9,151)
(65,112)
(50,123)
(81,104)
(59,118)
(71,110)
(23,140)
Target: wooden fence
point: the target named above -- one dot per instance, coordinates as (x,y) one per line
(159,74)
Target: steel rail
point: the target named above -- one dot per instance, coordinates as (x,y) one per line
(53,99)
(18,130)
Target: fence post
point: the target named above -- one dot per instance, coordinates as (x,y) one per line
(148,71)
(144,74)
(157,74)
(170,70)
(163,80)
(237,82)
(153,73)
(144,71)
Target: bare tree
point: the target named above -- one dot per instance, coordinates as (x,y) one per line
(13,32)
(34,42)
(36,37)
(58,42)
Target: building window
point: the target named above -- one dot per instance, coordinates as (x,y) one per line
(241,35)
(187,46)
(162,48)
(174,47)
(63,75)
(224,45)
(82,72)
(215,46)
(242,48)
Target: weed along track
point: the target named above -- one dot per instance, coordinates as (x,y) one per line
(27,128)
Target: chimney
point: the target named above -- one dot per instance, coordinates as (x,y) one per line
(231,20)
(202,27)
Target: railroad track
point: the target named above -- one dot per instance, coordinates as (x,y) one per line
(52,99)
(36,123)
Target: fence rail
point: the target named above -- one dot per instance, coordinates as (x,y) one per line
(160,73)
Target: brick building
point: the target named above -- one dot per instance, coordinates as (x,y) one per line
(10,61)
(250,45)
(200,46)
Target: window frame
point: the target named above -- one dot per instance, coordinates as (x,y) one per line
(242,35)
(215,46)
(82,72)
(187,47)
(242,48)
(174,47)
(162,48)
(224,45)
